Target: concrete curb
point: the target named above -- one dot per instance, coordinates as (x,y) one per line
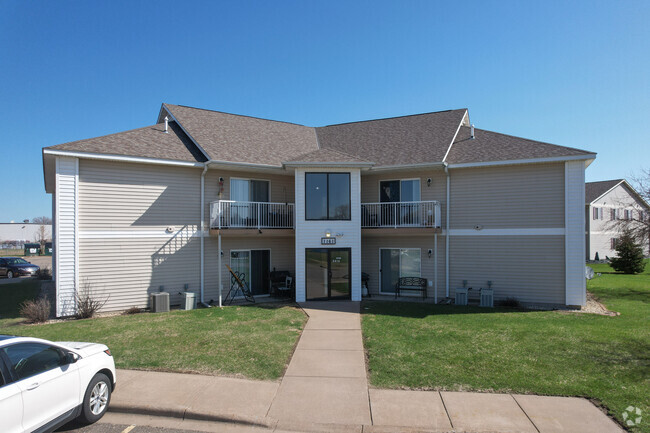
(187,413)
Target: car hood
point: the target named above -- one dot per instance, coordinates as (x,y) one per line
(24,265)
(84,349)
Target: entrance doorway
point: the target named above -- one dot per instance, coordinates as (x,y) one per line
(327,272)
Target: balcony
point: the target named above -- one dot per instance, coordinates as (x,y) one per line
(228,214)
(407,214)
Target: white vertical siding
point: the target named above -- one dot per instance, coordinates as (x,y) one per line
(66,256)
(309,233)
(574,199)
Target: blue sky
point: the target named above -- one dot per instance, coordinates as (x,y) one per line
(570,73)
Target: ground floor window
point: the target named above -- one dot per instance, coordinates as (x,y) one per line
(255,265)
(395,263)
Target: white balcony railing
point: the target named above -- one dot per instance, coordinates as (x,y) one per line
(401,214)
(250,215)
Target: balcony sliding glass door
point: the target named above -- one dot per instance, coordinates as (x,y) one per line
(246,193)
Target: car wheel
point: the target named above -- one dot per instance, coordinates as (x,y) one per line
(10,274)
(96,399)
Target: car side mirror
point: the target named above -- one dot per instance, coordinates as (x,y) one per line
(71,358)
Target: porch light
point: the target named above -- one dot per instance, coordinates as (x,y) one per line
(328,234)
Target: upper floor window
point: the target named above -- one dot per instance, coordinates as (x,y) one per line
(597,213)
(250,190)
(612,214)
(399,190)
(327,196)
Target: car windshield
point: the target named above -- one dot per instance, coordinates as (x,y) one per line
(17,261)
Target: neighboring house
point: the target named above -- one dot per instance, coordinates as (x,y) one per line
(605,202)
(422,195)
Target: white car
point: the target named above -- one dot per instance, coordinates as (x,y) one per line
(44,385)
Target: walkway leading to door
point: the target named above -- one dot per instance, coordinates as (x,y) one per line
(325,389)
(325,382)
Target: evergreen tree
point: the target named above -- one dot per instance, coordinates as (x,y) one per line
(630,255)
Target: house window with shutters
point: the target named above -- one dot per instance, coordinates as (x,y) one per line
(613,243)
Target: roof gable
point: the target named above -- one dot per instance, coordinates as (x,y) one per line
(243,139)
(403,140)
(148,142)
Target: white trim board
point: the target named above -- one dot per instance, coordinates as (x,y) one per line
(122,158)
(509,232)
(586,157)
(130,234)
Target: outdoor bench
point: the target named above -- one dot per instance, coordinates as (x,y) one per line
(411,283)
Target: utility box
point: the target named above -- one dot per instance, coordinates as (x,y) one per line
(487,298)
(160,302)
(189,301)
(461,296)
(48,248)
(32,249)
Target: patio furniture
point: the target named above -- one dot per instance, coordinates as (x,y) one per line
(411,283)
(285,291)
(238,284)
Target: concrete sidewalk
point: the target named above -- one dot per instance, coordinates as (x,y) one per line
(325,389)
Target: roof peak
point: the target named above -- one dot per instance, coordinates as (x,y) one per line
(394,117)
(233,114)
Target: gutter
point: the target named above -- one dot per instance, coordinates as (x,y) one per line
(447,234)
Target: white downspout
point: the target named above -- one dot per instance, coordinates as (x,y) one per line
(447,233)
(202,231)
(219,255)
(435,268)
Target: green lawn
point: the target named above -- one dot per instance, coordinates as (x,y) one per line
(542,352)
(254,341)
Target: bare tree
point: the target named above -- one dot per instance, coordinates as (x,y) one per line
(43,235)
(636,221)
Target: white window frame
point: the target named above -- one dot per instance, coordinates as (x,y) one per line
(239,250)
(400,187)
(381,292)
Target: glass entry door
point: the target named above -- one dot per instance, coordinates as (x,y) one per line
(395,263)
(327,272)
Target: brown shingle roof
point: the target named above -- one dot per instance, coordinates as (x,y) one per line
(234,138)
(407,140)
(327,155)
(148,142)
(403,140)
(493,146)
(593,190)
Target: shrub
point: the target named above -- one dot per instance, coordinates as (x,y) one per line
(88,304)
(44,274)
(37,311)
(133,310)
(630,256)
(510,302)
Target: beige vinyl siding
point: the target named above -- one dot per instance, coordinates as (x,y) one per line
(517,196)
(129,196)
(282,258)
(282,187)
(115,198)
(124,271)
(437,190)
(370,246)
(529,268)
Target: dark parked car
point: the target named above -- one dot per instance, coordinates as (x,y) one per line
(15,267)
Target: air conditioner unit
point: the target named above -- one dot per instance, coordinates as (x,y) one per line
(189,301)
(461,296)
(160,302)
(487,298)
